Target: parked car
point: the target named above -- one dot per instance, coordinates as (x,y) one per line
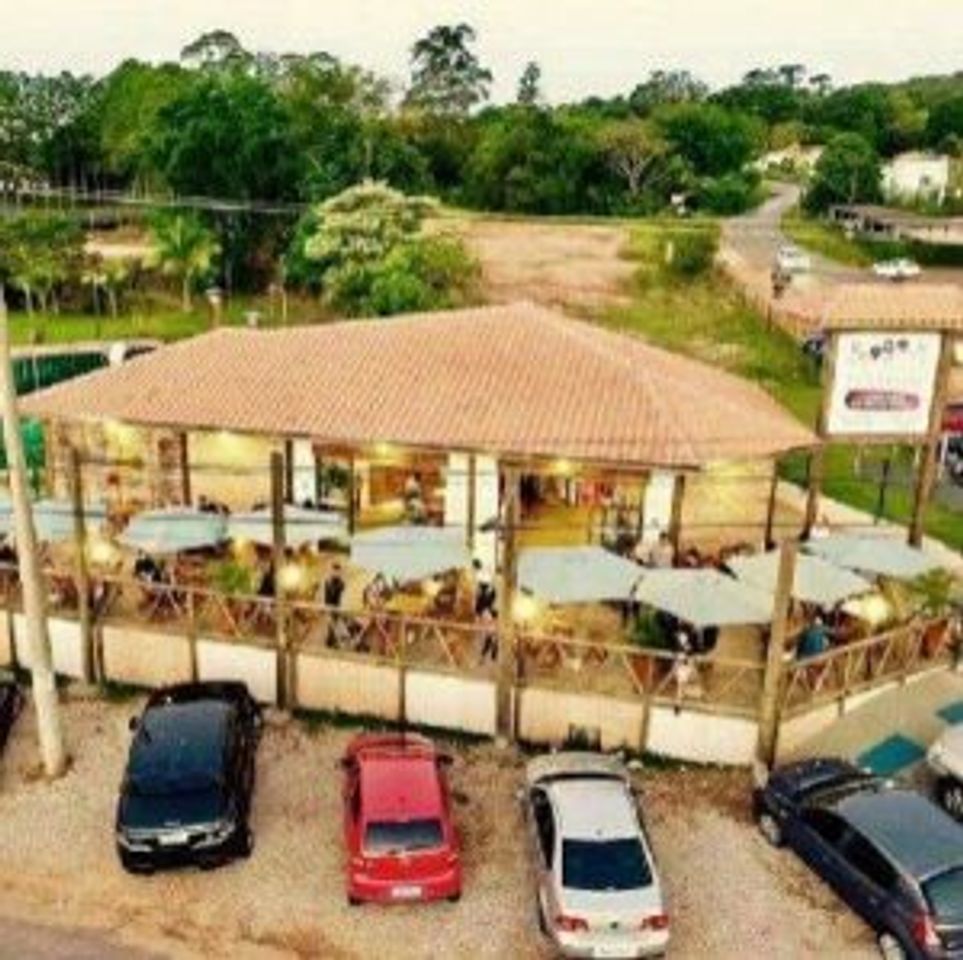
(11,703)
(187,790)
(398,825)
(945,760)
(892,854)
(790,259)
(896,270)
(598,888)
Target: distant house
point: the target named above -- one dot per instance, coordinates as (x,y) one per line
(917,176)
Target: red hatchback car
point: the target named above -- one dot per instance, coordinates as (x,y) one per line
(402,844)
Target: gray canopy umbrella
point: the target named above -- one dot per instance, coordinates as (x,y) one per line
(817,580)
(877,556)
(174,530)
(301,526)
(704,597)
(576,574)
(410,552)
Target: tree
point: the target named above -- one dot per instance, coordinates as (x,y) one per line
(847,172)
(108,276)
(374,257)
(821,83)
(215,50)
(944,127)
(183,248)
(529,85)
(447,76)
(633,147)
(666,86)
(791,74)
(712,139)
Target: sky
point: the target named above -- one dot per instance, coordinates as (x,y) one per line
(584,46)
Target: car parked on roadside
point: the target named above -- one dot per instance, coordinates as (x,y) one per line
(945,760)
(187,790)
(599,893)
(790,259)
(892,854)
(11,703)
(399,830)
(897,270)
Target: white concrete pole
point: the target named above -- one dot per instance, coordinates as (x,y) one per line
(38,641)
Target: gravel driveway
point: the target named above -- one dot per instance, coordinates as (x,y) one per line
(731,896)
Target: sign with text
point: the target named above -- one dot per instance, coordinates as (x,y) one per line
(883,384)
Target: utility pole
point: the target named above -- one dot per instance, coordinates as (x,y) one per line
(38,641)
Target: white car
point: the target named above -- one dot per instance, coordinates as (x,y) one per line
(598,890)
(899,269)
(790,259)
(945,759)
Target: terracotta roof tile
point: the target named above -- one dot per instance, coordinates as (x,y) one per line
(889,305)
(517,380)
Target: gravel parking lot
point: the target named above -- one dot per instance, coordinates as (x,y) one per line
(731,896)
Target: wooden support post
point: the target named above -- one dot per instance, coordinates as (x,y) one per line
(770,709)
(82,570)
(675,521)
(277,529)
(640,520)
(926,476)
(883,486)
(505,722)
(289,471)
(185,463)
(318,479)
(817,459)
(472,504)
(771,506)
(352,498)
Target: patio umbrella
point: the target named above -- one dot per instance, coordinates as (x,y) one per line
(817,580)
(877,556)
(174,530)
(301,526)
(576,574)
(704,597)
(53,519)
(410,553)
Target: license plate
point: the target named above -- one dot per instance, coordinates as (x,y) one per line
(611,950)
(406,892)
(176,838)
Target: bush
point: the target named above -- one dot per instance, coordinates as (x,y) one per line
(693,251)
(731,194)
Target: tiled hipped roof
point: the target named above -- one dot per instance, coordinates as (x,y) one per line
(515,380)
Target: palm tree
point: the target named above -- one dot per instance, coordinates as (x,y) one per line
(183,248)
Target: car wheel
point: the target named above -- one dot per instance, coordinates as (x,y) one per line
(245,842)
(353,901)
(769,827)
(136,869)
(890,947)
(950,795)
(455,897)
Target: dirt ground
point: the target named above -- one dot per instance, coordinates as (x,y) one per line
(557,264)
(730,895)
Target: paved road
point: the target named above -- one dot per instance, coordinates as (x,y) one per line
(20,941)
(756,236)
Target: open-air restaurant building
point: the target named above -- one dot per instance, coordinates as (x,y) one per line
(496,519)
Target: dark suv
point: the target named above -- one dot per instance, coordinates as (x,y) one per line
(186,794)
(891,854)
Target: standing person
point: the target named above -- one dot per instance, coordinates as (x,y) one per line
(333,591)
(489,649)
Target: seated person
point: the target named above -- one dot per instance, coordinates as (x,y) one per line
(146,568)
(814,640)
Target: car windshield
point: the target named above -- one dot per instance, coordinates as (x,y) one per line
(944,894)
(402,836)
(604,865)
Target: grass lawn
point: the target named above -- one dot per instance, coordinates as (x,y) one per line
(708,319)
(826,240)
(157,318)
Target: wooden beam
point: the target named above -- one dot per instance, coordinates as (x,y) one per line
(817,459)
(675,520)
(472,505)
(771,505)
(183,442)
(926,475)
(318,478)
(770,707)
(505,709)
(289,471)
(352,502)
(277,529)
(82,570)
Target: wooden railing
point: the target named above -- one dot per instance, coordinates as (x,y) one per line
(863,664)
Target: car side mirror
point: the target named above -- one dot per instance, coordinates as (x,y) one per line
(132,724)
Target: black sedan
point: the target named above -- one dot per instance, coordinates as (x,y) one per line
(186,794)
(891,854)
(11,702)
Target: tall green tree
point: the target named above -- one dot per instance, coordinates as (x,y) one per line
(183,248)
(530,85)
(446,75)
(847,172)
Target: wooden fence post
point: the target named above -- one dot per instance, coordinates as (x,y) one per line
(505,723)
(280,610)
(82,570)
(770,709)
